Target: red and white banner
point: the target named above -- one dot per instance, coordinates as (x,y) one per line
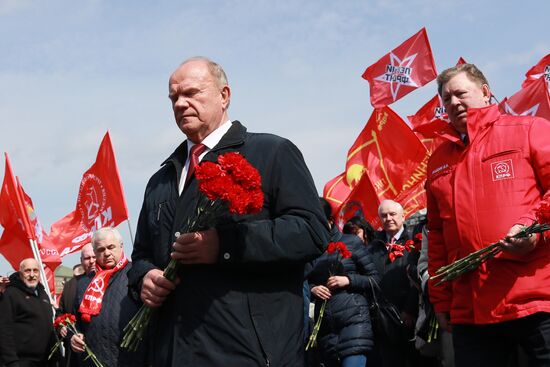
(540,70)
(402,70)
(533,100)
(100,203)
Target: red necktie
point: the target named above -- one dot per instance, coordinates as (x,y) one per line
(196,151)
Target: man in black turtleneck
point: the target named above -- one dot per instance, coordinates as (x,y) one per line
(26,327)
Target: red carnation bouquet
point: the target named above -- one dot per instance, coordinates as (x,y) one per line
(475,259)
(69,320)
(396,250)
(342,252)
(230,186)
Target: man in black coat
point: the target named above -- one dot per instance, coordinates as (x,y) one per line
(103,306)
(68,296)
(239,297)
(396,282)
(26,320)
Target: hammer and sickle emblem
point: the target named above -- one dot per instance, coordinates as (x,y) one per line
(97,285)
(501,168)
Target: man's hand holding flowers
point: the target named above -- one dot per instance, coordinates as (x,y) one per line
(520,246)
(197,247)
(156,288)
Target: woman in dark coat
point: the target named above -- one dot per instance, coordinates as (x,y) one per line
(345,336)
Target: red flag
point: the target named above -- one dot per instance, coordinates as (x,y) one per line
(391,156)
(405,68)
(21,225)
(336,191)
(12,210)
(100,203)
(362,201)
(540,70)
(533,100)
(431,111)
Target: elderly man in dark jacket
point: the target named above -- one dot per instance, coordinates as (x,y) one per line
(396,272)
(345,337)
(239,297)
(26,320)
(103,306)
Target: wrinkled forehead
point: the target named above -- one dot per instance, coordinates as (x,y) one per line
(390,208)
(191,74)
(29,265)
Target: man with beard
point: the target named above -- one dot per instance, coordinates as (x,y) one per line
(26,320)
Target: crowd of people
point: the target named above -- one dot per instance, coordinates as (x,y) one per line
(244,284)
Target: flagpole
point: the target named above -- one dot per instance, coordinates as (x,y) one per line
(36,253)
(130,230)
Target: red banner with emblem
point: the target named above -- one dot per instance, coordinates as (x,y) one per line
(387,161)
(100,203)
(402,70)
(540,70)
(533,100)
(336,191)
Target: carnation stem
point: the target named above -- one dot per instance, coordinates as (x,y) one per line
(313,337)
(475,259)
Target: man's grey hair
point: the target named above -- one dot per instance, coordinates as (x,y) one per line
(103,233)
(215,69)
(471,71)
(391,202)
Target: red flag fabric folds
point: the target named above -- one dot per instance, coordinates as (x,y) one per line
(100,203)
(391,157)
(336,191)
(12,210)
(21,225)
(533,100)
(405,68)
(540,70)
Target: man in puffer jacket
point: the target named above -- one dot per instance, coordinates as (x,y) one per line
(345,336)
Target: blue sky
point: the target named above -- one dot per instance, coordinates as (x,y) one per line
(70,70)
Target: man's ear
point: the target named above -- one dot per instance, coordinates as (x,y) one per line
(486,93)
(226,95)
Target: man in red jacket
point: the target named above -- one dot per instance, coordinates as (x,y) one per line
(484,183)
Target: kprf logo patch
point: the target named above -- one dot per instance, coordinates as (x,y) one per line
(502,170)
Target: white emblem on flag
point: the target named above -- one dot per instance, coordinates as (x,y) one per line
(398,72)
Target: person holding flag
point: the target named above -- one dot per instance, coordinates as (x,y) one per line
(484,184)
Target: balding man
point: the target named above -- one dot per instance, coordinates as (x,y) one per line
(394,268)
(26,327)
(239,302)
(87,263)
